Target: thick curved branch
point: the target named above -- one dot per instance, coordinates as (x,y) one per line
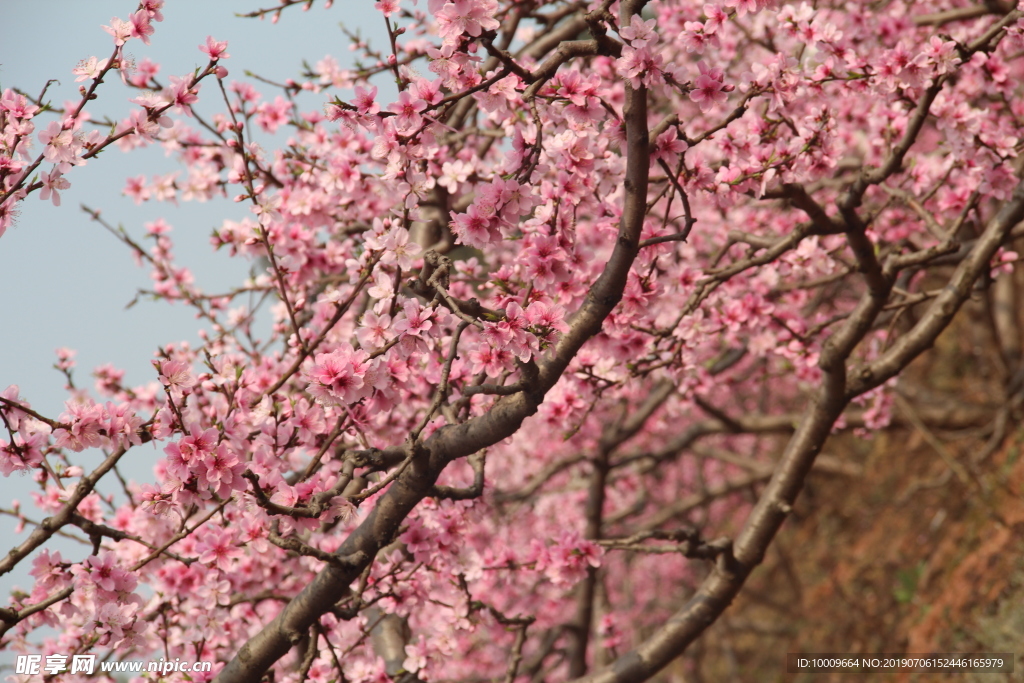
(458,441)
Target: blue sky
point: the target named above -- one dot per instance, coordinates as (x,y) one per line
(65,280)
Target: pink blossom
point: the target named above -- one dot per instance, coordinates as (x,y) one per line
(365,101)
(490,360)
(388,7)
(398,249)
(86,426)
(17,105)
(120,30)
(220,472)
(140,26)
(215,591)
(474,228)
(668,146)
(217,548)
(708,88)
(414,319)
(267,208)
(308,419)
(88,69)
(123,425)
(695,39)
(716,17)
(271,115)
(428,91)
(640,65)
(467,16)
(52,182)
(383,287)
(153,7)
(567,561)
(511,333)
(417,655)
(215,49)
(104,574)
(114,623)
(136,189)
(181,93)
(745,6)
(372,333)
(408,109)
(62,148)
(338,377)
(176,376)
(199,443)
(24,453)
(50,571)
(639,33)
(453,173)
(65,358)
(541,314)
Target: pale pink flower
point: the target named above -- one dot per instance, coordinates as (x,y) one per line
(113,622)
(414,319)
(87,426)
(639,33)
(215,49)
(372,333)
(267,208)
(271,115)
(474,228)
(217,548)
(65,358)
(89,68)
(398,248)
(388,7)
(153,7)
(708,88)
(50,575)
(123,425)
(181,93)
(365,101)
(338,377)
(541,314)
(25,453)
(176,376)
(745,6)
(408,110)
(136,189)
(61,147)
(668,146)
(640,65)
(52,182)
(453,173)
(467,16)
(140,26)
(120,30)
(383,286)
(716,17)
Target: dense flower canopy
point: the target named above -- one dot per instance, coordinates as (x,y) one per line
(541,316)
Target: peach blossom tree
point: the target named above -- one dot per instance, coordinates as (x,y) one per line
(542,314)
